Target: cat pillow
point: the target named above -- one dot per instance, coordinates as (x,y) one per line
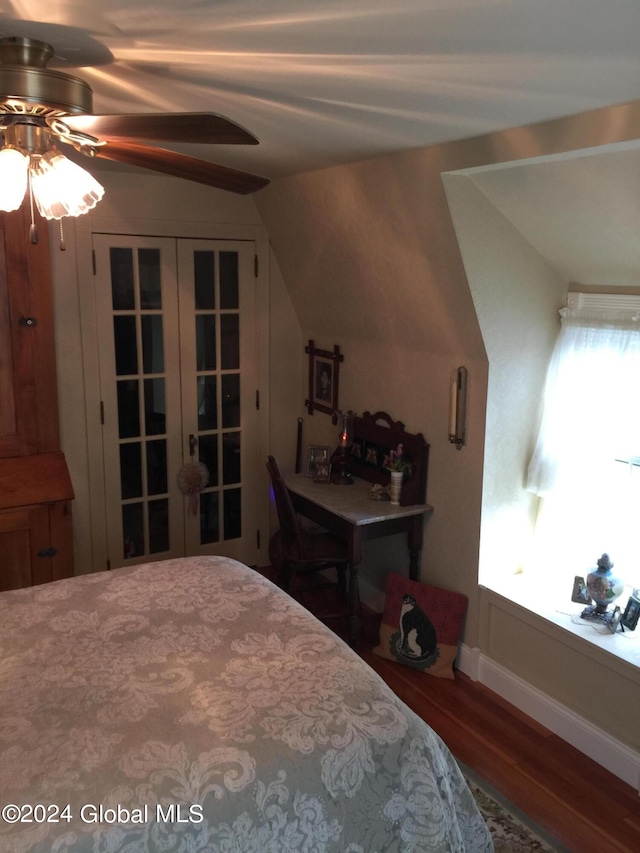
(421,626)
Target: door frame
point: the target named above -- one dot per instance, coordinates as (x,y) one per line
(86,227)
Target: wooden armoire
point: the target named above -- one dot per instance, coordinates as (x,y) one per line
(36,542)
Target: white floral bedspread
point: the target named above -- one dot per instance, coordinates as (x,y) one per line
(192,706)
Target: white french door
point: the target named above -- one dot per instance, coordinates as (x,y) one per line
(178,379)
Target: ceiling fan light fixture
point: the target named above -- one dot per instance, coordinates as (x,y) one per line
(62,188)
(14,166)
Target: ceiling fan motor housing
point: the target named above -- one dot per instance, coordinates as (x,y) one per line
(28,87)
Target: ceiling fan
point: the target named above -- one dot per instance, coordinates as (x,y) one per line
(40,107)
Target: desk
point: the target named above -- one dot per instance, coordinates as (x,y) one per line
(349,512)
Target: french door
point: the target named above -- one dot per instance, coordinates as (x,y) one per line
(178,383)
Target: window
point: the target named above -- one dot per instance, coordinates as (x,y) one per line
(585,463)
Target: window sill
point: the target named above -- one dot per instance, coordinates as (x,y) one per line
(624,645)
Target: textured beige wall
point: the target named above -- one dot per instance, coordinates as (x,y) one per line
(286,373)
(516,296)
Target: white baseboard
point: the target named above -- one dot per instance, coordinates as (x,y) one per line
(616,757)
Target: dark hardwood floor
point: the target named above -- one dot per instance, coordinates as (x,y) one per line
(578,802)
(588,809)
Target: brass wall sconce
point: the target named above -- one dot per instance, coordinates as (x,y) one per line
(458,407)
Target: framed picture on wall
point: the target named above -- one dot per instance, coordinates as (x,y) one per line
(324,371)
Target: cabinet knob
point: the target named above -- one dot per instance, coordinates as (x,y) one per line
(28,321)
(47,552)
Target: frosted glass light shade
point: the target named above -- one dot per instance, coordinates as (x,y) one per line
(61,187)
(13,178)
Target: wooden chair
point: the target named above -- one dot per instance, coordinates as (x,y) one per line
(303,553)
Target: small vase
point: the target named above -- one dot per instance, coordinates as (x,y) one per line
(395,487)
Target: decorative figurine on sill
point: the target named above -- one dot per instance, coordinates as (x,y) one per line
(604,588)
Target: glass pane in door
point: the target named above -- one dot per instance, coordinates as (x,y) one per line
(230,333)
(131,470)
(155,406)
(128,408)
(157,479)
(204,278)
(207,402)
(232,514)
(208,453)
(122,283)
(231,400)
(152,348)
(149,275)
(132,530)
(124,332)
(229,283)
(209,518)
(206,341)
(158,523)
(231,458)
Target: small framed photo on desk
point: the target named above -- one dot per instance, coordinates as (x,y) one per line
(323,473)
(631,613)
(318,454)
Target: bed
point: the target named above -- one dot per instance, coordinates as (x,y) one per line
(190,705)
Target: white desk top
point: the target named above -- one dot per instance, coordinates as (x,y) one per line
(351,503)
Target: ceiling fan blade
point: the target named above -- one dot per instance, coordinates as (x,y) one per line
(163,127)
(181,166)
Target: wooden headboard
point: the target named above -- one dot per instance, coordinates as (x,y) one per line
(374,436)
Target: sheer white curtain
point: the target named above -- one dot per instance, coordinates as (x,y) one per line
(591,417)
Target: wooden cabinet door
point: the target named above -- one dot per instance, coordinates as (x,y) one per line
(24,535)
(35,488)
(28,391)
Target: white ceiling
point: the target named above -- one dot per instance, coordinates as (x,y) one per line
(325,83)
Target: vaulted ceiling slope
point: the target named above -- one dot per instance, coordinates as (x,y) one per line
(327,82)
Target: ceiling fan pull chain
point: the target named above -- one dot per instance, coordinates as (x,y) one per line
(63,245)
(33,231)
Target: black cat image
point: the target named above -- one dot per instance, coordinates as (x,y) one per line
(418,638)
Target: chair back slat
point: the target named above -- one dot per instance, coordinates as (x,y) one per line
(292,538)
